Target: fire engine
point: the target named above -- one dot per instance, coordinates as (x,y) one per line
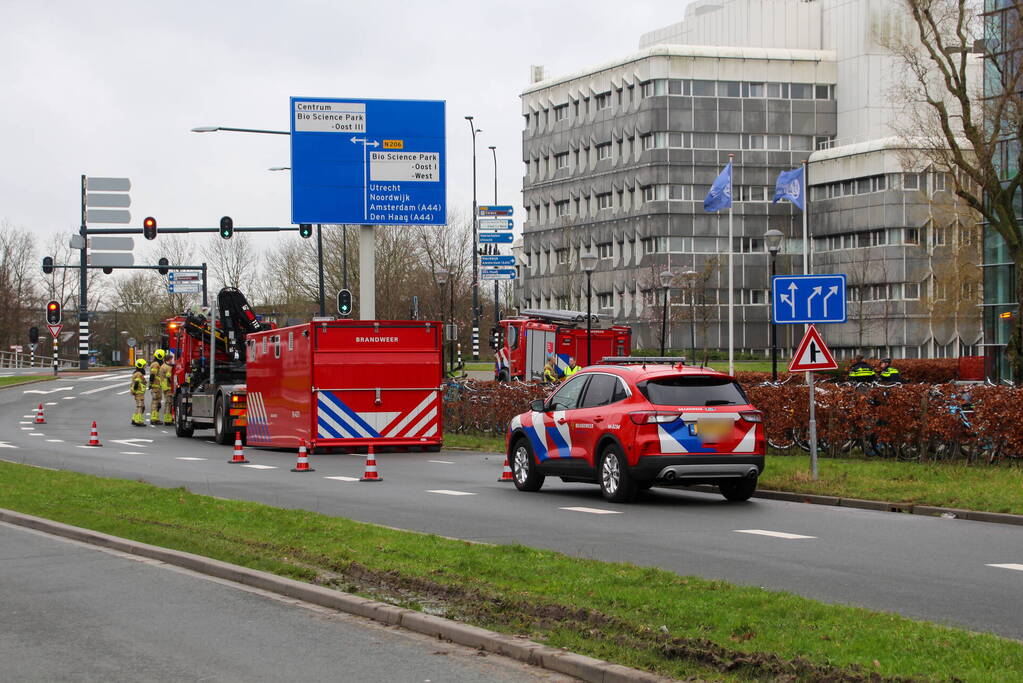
(212,394)
(534,335)
(346,383)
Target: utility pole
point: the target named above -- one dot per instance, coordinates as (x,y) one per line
(497,305)
(83,284)
(475,251)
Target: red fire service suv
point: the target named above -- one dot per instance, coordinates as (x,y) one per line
(631,423)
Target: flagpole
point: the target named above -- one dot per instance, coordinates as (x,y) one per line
(731,291)
(806,210)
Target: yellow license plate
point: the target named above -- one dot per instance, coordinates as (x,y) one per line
(713,430)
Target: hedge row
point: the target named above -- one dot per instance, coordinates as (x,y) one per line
(928,370)
(912,421)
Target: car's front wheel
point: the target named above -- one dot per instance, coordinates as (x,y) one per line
(616,483)
(738,490)
(523,467)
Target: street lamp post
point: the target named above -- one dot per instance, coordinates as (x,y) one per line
(441,275)
(588,262)
(319,238)
(690,275)
(497,307)
(666,277)
(475,251)
(773,239)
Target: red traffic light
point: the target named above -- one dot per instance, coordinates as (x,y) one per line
(149,228)
(53,313)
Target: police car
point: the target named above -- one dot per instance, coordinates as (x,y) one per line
(630,423)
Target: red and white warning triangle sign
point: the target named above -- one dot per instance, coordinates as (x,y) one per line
(812,354)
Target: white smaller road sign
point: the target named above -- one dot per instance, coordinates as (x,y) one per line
(812,354)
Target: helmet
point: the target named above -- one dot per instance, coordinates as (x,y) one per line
(140,364)
(159,354)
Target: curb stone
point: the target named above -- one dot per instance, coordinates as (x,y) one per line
(879,505)
(514,647)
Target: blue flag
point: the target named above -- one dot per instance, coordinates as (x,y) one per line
(720,195)
(791,186)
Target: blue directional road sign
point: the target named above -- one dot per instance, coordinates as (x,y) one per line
(500,210)
(496,237)
(799,299)
(496,260)
(497,273)
(369,162)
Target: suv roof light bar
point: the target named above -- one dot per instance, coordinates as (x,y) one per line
(559,315)
(642,360)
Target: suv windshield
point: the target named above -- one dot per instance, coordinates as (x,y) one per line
(693,391)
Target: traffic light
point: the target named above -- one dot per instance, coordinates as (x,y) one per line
(163,262)
(226,227)
(149,228)
(53,313)
(344,303)
(47,264)
(495,337)
(33,335)
(305,229)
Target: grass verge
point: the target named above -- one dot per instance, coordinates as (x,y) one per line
(475,442)
(21,379)
(981,487)
(641,617)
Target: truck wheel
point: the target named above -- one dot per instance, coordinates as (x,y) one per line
(183,427)
(221,425)
(503,376)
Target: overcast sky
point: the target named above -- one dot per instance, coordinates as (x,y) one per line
(112,89)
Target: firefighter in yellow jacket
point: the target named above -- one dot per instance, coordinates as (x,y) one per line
(166,380)
(155,388)
(138,392)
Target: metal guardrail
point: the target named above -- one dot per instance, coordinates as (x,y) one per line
(14,360)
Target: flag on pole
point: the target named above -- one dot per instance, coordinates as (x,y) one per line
(720,195)
(791,185)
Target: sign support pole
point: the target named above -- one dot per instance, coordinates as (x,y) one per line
(319,263)
(205,295)
(56,360)
(367,273)
(813,428)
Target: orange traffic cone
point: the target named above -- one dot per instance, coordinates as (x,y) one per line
(40,418)
(303,461)
(371,467)
(506,474)
(239,455)
(93,436)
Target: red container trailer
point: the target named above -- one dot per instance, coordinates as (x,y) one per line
(346,383)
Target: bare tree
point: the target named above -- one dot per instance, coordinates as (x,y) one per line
(19,302)
(231,263)
(961,127)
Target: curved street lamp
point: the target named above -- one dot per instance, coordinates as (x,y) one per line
(773,239)
(443,276)
(588,262)
(690,276)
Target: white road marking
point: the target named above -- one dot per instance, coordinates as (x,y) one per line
(93,391)
(32,415)
(1017,567)
(35,433)
(443,462)
(445,492)
(132,453)
(122,393)
(133,442)
(184,458)
(51,391)
(87,447)
(26,422)
(52,403)
(593,511)
(4,444)
(55,440)
(261,467)
(774,534)
(68,398)
(343,478)
(26,429)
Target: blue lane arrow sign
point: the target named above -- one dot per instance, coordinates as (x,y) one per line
(496,237)
(801,299)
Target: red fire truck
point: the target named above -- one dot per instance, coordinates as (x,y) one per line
(346,383)
(211,395)
(534,335)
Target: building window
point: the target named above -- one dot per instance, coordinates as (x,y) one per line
(911,290)
(911,236)
(655,245)
(604,250)
(561,161)
(562,256)
(561,208)
(604,101)
(911,181)
(603,201)
(778,91)
(729,89)
(801,91)
(562,302)
(560,112)
(604,151)
(704,88)
(823,141)
(605,300)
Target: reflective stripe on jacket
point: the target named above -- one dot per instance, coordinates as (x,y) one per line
(890,373)
(166,375)
(138,383)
